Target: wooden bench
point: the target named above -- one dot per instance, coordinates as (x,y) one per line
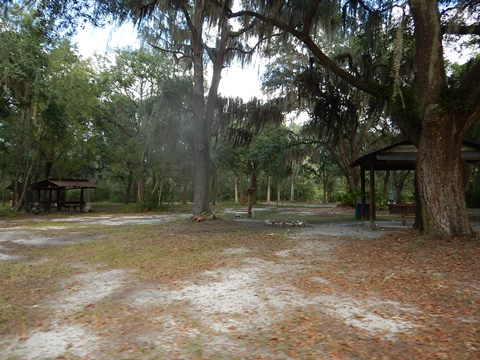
(71,205)
(406,210)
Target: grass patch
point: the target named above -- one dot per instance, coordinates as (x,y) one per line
(7,212)
(278,214)
(22,286)
(109,207)
(163,253)
(166,252)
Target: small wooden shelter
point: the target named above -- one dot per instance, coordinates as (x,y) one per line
(399,156)
(51,194)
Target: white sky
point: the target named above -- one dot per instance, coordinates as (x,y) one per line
(244,83)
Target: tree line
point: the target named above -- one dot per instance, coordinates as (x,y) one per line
(363,70)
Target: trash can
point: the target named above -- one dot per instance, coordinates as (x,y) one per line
(358,210)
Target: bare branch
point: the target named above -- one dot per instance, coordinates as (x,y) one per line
(175,53)
(210,53)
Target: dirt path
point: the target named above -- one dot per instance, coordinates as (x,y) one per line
(293,302)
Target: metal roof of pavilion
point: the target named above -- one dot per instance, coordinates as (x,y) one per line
(63,184)
(403,156)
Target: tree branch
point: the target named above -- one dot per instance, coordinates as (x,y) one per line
(309,14)
(280,24)
(323,59)
(454,29)
(187,17)
(242,31)
(351,65)
(252,50)
(173,52)
(210,52)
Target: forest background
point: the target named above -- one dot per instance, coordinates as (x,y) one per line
(128,121)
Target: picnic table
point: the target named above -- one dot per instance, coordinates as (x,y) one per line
(404,209)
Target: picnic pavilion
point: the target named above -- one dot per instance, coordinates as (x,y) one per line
(51,194)
(399,156)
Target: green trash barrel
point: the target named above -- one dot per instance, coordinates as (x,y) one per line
(358,210)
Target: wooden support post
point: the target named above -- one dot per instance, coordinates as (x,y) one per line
(59,206)
(363,197)
(81,200)
(49,205)
(372,197)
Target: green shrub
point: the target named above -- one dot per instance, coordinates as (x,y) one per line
(349,198)
(8,212)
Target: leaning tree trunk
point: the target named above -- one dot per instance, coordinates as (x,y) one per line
(441,181)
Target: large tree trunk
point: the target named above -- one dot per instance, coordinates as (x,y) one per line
(440,170)
(204,113)
(201,168)
(441,181)
(201,129)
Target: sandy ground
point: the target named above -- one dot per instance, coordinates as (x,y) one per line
(218,313)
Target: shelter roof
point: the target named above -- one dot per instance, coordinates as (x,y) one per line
(403,156)
(64,184)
